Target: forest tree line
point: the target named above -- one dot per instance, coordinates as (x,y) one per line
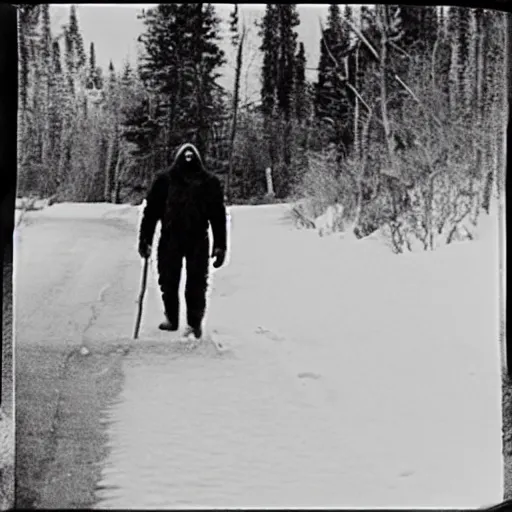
(404,125)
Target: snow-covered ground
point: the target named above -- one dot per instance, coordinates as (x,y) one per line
(350,377)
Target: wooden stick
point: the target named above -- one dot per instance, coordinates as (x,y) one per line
(141,298)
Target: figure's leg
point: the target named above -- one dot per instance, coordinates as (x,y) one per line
(170,260)
(197,283)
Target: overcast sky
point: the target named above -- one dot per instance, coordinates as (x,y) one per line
(114,29)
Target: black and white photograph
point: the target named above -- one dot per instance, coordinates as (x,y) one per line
(256,257)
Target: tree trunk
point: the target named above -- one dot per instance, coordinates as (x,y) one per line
(480,45)
(364,158)
(287,157)
(357,144)
(454,84)
(110,165)
(118,175)
(200,112)
(383,88)
(236,93)
(62,169)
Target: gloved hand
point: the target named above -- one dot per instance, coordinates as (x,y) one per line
(144,250)
(219,255)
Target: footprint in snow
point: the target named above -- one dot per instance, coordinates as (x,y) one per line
(309,375)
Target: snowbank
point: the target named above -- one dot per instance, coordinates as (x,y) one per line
(407,343)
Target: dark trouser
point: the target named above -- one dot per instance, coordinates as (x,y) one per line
(170,260)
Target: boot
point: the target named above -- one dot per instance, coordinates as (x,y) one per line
(196,331)
(168,326)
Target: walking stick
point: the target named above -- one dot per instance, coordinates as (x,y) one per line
(141,297)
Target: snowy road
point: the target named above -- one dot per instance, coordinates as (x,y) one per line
(349,377)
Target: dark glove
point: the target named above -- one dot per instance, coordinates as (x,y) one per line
(144,249)
(219,255)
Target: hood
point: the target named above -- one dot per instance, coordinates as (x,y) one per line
(181,167)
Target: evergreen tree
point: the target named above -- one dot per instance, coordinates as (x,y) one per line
(28,22)
(237,40)
(441,17)
(333,103)
(111,130)
(47,84)
(462,72)
(466,58)
(347,33)
(233,26)
(56,58)
(288,20)
(279,47)
(442,62)
(95,73)
(419,27)
(181,64)
(300,84)
(55,114)
(493,97)
(454,77)
(69,59)
(76,37)
(68,107)
(92,58)
(270,38)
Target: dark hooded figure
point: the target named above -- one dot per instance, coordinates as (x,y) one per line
(185,199)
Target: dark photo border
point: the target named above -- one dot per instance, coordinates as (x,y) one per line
(8,183)
(8,174)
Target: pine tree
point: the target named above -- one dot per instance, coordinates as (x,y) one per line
(56,58)
(462,75)
(419,27)
(269,35)
(279,46)
(68,107)
(181,64)
(76,36)
(28,21)
(47,84)
(329,43)
(233,26)
(443,56)
(333,103)
(92,58)
(302,111)
(454,78)
(95,73)
(466,56)
(441,16)
(55,114)
(494,101)
(300,84)
(127,73)
(69,59)
(288,20)
(111,114)
(91,79)
(268,31)
(347,34)
(237,40)
(478,58)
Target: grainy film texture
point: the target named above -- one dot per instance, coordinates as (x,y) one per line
(259,256)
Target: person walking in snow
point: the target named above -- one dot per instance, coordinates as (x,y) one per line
(185,198)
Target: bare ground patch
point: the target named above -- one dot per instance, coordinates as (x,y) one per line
(507,435)
(6,410)
(61,439)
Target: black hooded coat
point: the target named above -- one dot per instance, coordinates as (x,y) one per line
(185,198)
